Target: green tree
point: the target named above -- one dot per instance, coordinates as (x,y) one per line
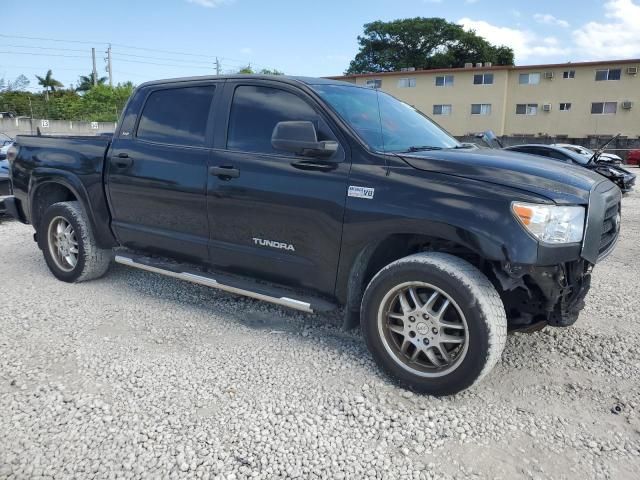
(85,82)
(422,43)
(264,71)
(20,83)
(104,103)
(49,83)
(270,71)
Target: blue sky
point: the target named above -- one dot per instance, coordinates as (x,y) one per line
(296,36)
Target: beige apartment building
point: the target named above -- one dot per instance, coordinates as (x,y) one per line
(569,99)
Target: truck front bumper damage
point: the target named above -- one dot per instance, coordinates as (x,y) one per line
(537,296)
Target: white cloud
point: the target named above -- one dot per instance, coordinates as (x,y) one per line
(209,3)
(523,42)
(246,51)
(618,38)
(549,19)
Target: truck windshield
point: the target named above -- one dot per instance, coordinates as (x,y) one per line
(384,123)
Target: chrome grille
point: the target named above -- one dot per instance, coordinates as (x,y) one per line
(610,227)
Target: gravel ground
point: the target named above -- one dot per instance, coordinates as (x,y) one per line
(140,376)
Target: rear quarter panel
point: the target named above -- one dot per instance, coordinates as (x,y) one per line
(75,162)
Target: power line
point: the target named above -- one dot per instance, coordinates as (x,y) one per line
(44,54)
(48,48)
(132,47)
(118,54)
(48,39)
(212,67)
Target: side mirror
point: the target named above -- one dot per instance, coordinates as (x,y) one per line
(300,137)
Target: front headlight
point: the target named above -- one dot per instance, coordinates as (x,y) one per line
(551,223)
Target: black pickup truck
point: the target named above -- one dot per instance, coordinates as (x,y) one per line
(320,195)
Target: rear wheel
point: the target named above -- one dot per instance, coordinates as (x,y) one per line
(69,246)
(434,322)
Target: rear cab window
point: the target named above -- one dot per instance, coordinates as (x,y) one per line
(177,116)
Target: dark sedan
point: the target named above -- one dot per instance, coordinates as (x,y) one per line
(618,175)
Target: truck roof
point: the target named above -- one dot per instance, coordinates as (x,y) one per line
(277,78)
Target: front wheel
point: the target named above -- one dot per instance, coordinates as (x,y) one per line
(434,322)
(69,246)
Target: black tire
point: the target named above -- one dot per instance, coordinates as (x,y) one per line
(477,307)
(91,261)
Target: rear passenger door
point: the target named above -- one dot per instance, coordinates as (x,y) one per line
(277,219)
(157,172)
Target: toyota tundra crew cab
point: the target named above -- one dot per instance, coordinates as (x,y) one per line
(321,195)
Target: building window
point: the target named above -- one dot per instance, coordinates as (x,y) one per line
(569,74)
(565,107)
(527,109)
(483,79)
(406,82)
(442,109)
(374,83)
(608,74)
(444,81)
(604,108)
(529,78)
(480,109)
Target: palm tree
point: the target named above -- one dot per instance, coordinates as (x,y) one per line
(85,82)
(49,83)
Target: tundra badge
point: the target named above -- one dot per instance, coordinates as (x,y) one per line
(272,244)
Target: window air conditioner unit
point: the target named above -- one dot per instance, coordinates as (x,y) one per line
(632,70)
(548,75)
(627,105)
(546,107)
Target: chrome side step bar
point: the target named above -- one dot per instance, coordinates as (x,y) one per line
(207,281)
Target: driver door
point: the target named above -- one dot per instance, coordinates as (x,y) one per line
(272,217)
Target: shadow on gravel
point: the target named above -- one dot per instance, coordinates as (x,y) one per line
(248,312)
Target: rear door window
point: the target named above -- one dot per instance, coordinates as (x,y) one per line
(256,110)
(177,116)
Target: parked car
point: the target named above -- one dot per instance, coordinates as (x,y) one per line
(617,174)
(316,194)
(633,158)
(4,147)
(588,153)
(5,184)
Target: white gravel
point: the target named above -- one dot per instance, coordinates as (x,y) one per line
(140,376)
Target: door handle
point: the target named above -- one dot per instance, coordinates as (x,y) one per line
(315,165)
(224,172)
(123,160)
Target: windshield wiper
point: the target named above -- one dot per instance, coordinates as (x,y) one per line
(420,148)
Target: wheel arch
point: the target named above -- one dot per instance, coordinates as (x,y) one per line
(376,254)
(49,186)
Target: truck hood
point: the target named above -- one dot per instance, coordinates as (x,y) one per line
(559,182)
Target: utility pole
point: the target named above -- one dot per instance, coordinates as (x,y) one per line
(109,66)
(217,66)
(31,117)
(95,70)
